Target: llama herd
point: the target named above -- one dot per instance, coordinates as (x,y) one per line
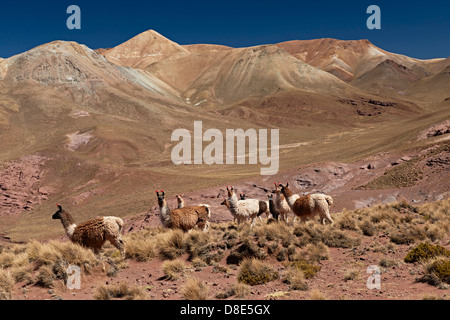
(94,233)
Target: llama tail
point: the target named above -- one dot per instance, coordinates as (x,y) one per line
(329,199)
(119,223)
(208,209)
(263,207)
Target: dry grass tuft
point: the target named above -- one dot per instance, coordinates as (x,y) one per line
(254,272)
(195,289)
(6,284)
(140,246)
(121,290)
(295,278)
(238,290)
(172,244)
(316,294)
(173,269)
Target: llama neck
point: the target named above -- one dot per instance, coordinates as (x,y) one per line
(279,198)
(233,203)
(164,212)
(68,223)
(227,204)
(271,206)
(290,196)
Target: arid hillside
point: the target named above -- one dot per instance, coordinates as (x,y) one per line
(92,130)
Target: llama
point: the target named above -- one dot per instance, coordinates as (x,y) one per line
(263,206)
(180,201)
(182,204)
(308,206)
(242,209)
(272,208)
(226,203)
(93,233)
(281,204)
(186,218)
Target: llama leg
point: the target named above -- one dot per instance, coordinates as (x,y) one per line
(119,244)
(96,251)
(122,248)
(328,217)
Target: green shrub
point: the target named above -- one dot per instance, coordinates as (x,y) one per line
(437,272)
(247,249)
(441,268)
(425,251)
(308,269)
(254,272)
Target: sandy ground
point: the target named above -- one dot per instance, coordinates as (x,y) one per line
(337,179)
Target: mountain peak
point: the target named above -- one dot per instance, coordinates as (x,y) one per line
(144,49)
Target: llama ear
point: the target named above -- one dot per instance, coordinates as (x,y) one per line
(287,184)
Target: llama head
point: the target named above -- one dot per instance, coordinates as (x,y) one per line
(231,191)
(160,195)
(242,196)
(179,198)
(278,187)
(57,214)
(285,190)
(270,196)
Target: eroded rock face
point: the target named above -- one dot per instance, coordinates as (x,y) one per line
(19,185)
(436,130)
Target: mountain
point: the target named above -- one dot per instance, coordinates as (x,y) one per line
(79,69)
(212,74)
(256,72)
(180,71)
(434,88)
(62,63)
(100,122)
(341,58)
(2,68)
(143,50)
(349,60)
(388,77)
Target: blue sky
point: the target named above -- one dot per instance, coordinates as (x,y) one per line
(420,29)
